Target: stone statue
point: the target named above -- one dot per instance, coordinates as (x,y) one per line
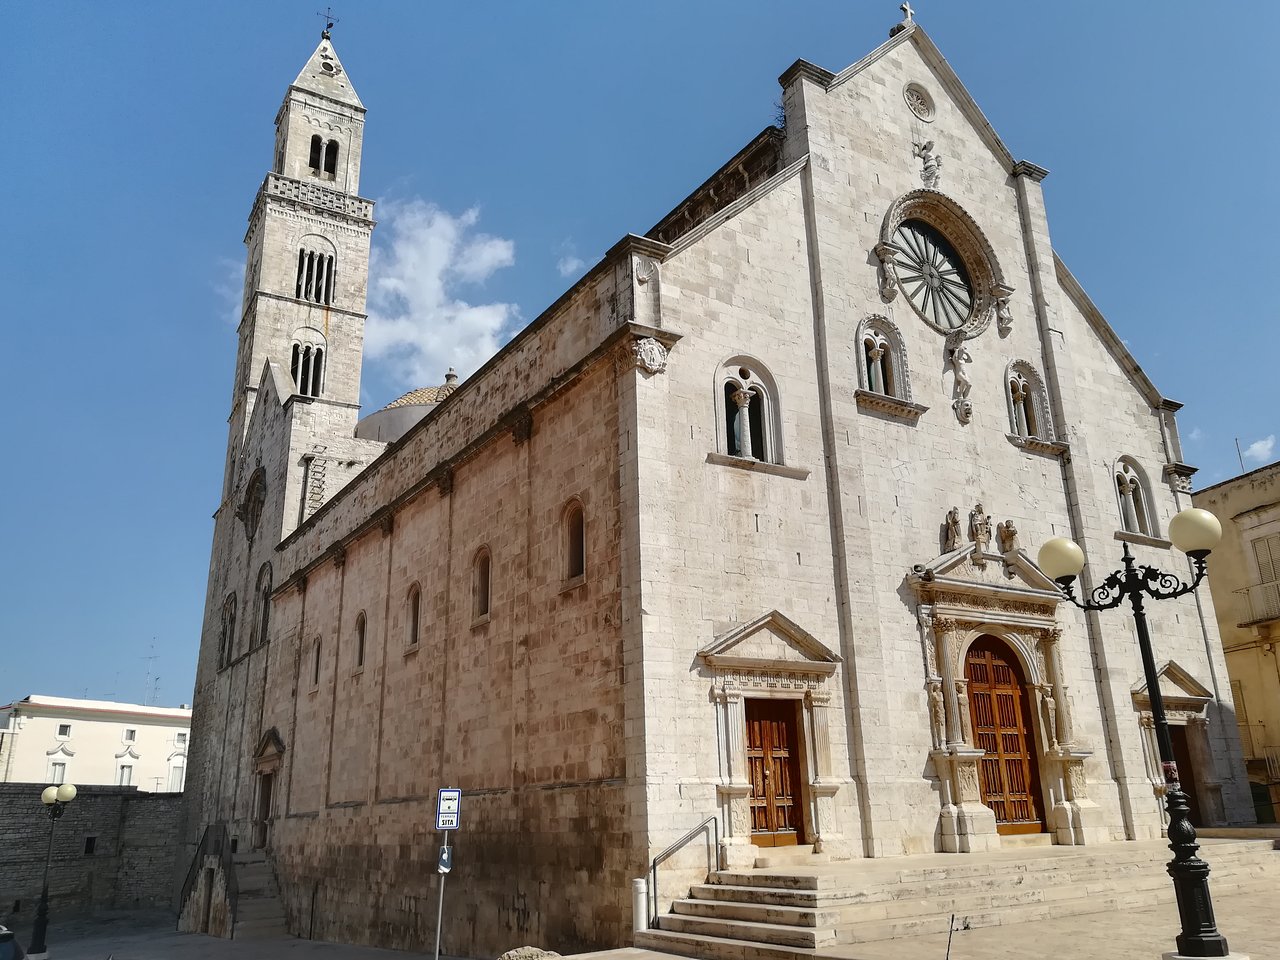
(1004,319)
(1051,714)
(958,358)
(951,538)
(979,527)
(888,272)
(938,714)
(931,164)
(1007,534)
(962,701)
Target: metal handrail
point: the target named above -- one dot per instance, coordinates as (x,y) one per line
(215,841)
(671,850)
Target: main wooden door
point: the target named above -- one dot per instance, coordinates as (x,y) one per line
(1000,711)
(773,763)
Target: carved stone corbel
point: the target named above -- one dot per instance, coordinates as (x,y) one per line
(445,484)
(887,253)
(522,427)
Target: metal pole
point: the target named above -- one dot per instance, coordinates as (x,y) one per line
(440,906)
(1190,874)
(40,930)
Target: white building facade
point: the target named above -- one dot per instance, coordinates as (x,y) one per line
(65,740)
(741,527)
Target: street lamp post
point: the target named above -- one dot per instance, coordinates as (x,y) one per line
(1195,532)
(56,800)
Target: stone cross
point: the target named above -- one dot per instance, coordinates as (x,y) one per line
(330,20)
(907,12)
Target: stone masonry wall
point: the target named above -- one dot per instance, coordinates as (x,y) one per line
(131,865)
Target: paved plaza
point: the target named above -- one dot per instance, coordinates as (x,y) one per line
(1247,919)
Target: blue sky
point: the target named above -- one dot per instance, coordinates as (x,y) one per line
(509,145)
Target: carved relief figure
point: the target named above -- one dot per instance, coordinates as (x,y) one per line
(937,714)
(931,164)
(979,527)
(951,536)
(888,273)
(962,700)
(1004,318)
(958,357)
(1051,715)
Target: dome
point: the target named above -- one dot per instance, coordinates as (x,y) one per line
(395,419)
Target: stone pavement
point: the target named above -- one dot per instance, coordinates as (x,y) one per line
(1248,920)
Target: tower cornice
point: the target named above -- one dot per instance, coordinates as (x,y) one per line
(311,198)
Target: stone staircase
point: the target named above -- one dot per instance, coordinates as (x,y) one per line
(821,910)
(259,913)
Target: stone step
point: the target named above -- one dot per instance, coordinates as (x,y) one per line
(717,948)
(776,934)
(268,929)
(1026,840)
(755,912)
(259,909)
(761,895)
(797,856)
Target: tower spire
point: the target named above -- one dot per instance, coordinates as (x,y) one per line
(329,21)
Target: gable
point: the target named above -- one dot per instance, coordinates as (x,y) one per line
(1178,688)
(770,640)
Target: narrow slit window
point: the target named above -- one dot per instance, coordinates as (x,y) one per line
(315,665)
(481,586)
(360,625)
(576,542)
(414,615)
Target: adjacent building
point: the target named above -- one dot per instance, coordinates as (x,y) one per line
(64,740)
(741,527)
(1244,575)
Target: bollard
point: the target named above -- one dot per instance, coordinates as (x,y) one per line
(639,905)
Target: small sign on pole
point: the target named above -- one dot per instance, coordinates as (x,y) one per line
(448,805)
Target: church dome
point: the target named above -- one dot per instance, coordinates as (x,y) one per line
(394,420)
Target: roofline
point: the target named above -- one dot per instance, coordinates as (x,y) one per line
(1236,478)
(27,708)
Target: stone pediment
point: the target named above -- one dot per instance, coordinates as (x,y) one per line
(973,571)
(129,752)
(61,748)
(772,641)
(270,752)
(1178,688)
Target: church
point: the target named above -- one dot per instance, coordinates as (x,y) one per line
(738,536)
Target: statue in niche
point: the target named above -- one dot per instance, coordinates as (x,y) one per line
(1007,535)
(1051,715)
(951,531)
(1004,319)
(931,164)
(937,714)
(958,357)
(962,701)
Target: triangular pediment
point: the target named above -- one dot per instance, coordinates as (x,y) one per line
(270,747)
(325,75)
(985,571)
(1178,688)
(774,640)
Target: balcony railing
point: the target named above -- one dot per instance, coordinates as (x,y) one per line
(1262,602)
(1272,753)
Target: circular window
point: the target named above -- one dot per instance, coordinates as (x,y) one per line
(919,101)
(932,275)
(326,65)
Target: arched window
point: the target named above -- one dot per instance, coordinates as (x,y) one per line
(746,399)
(575,541)
(315,278)
(1027,402)
(317,146)
(480,584)
(263,593)
(413,615)
(883,359)
(227,634)
(331,159)
(1134,495)
(306,363)
(360,632)
(255,497)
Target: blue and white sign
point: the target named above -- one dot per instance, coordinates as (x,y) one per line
(448,805)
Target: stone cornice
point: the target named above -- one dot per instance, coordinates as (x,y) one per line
(892,406)
(1049,448)
(1032,171)
(810,71)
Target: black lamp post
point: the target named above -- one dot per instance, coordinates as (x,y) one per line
(1195,532)
(56,799)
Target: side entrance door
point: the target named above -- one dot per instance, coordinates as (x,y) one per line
(773,763)
(1000,711)
(260,838)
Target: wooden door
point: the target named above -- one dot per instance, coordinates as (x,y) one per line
(1186,772)
(260,834)
(1000,712)
(773,763)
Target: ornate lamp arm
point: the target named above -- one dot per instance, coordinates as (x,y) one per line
(1107,595)
(1165,586)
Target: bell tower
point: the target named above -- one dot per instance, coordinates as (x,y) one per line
(307,266)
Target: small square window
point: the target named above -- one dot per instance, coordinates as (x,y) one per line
(180,739)
(59,773)
(130,735)
(90,846)
(64,729)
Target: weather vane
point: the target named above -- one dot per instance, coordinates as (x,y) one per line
(329,21)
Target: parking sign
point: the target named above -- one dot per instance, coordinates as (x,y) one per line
(448,803)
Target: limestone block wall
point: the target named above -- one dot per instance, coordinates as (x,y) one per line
(131,865)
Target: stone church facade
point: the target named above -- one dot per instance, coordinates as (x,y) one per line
(742,526)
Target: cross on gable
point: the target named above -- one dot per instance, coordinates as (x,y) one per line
(329,21)
(907,12)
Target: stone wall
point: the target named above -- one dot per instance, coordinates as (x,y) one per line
(131,866)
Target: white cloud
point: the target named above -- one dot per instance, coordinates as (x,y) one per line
(419,324)
(228,286)
(1196,434)
(1260,450)
(569,263)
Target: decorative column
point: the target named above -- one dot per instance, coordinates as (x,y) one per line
(743,399)
(736,849)
(943,628)
(736,732)
(1062,731)
(822,788)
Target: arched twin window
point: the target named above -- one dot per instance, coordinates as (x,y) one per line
(413,616)
(324,157)
(227,633)
(316,270)
(882,365)
(747,399)
(263,593)
(1134,496)
(480,584)
(575,541)
(1028,403)
(306,364)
